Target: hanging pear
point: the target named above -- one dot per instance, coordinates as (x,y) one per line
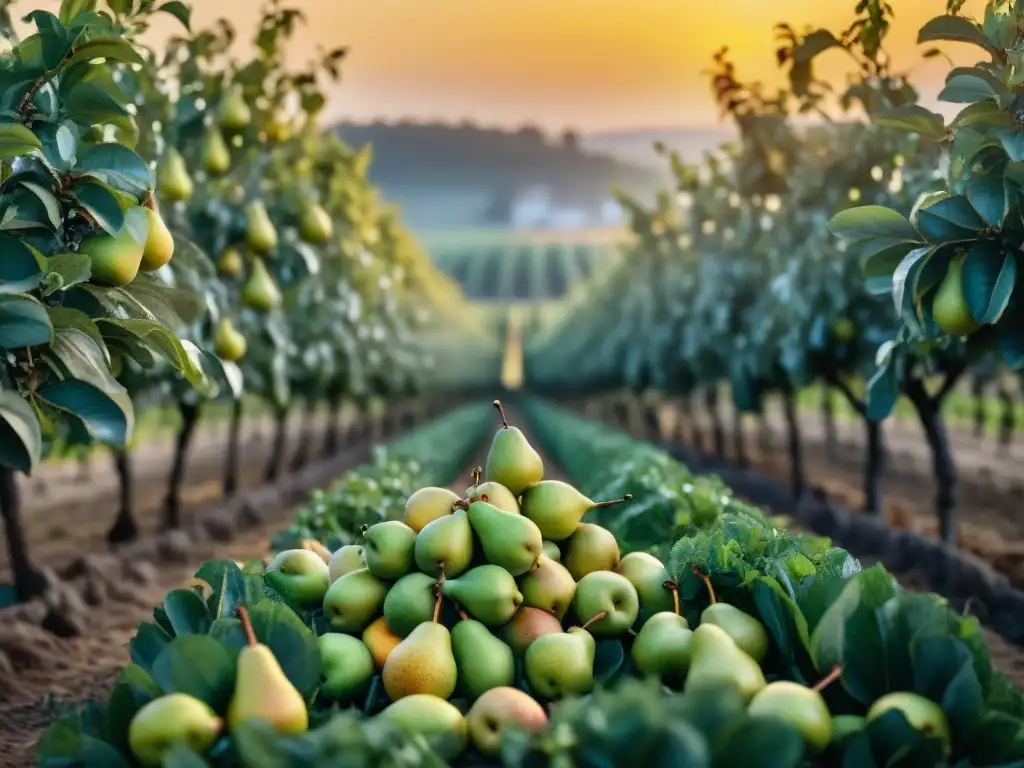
(228,343)
(260,291)
(949,307)
(173,181)
(259,229)
(229,263)
(278,129)
(159,248)
(115,259)
(214,154)
(315,226)
(234,114)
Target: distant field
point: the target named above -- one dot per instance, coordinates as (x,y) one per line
(496,237)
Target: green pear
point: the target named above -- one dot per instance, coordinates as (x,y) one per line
(495,494)
(176,718)
(802,707)
(924,715)
(410,602)
(354,600)
(591,548)
(551,550)
(648,576)
(497,709)
(439,722)
(446,541)
(260,291)
(347,559)
(746,631)
(299,575)
(422,663)
(663,647)
(488,592)
(263,691)
(844,726)
(346,667)
(114,259)
(715,659)
(606,602)
(159,247)
(549,587)
(512,461)
(228,343)
(559,665)
(388,547)
(315,225)
(428,504)
(511,541)
(526,626)
(230,263)
(557,508)
(260,233)
(950,309)
(173,181)
(380,641)
(483,661)
(279,129)
(214,155)
(234,114)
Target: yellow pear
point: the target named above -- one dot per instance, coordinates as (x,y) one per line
(315,226)
(159,248)
(234,114)
(176,718)
(230,263)
(173,181)
(115,259)
(259,229)
(215,155)
(949,307)
(278,129)
(228,343)
(260,291)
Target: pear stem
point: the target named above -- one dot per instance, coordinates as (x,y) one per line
(631,632)
(831,677)
(462,504)
(594,619)
(477,474)
(462,615)
(707,581)
(671,587)
(437,607)
(612,502)
(364,528)
(501,411)
(243,616)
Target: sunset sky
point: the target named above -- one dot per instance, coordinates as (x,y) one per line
(594,64)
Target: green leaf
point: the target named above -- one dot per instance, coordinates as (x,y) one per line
(278,627)
(64,745)
(101,204)
(872,221)
(880,258)
(117,166)
(187,613)
(180,756)
(955,28)
(967,88)
(53,36)
(133,690)
(96,413)
(69,9)
(817,42)
(987,195)
(89,105)
(228,584)
(147,645)
(20,261)
(199,666)
(50,204)
(23,322)
(178,10)
(21,439)
(883,391)
(609,656)
(949,220)
(183,355)
(914,118)
(989,277)
(111,48)
(16,140)
(73,268)
(84,359)
(905,282)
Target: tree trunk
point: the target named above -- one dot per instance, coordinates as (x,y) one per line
(796,457)
(652,422)
(828,416)
(302,453)
(764,432)
(1007,417)
(172,505)
(696,430)
(231,465)
(978,395)
(874,467)
(332,436)
(124,528)
(929,412)
(29,582)
(621,411)
(277,450)
(739,440)
(684,421)
(717,429)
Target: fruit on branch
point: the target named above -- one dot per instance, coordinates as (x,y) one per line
(648,576)
(260,233)
(428,504)
(606,603)
(591,548)
(230,262)
(346,667)
(497,709)
(354,600)
(263,691)
(260,291)
(448,540)
(380,641)
(115,259)
(233,114)
(557,508)
(483,661)
(550,587)
(717,660)
(315,225)
(159,248)
(173,181)
(410,602)
(228,343)
(388,549)
(510,541)
(487,592)
(560,665)
(214,155)
(949,307)
(174,719)
(511,460)
(278,129)
(439,722)
(802,707)
(495,494)
(422,663)
(924,715)
(526,626)
(299,575)
(663,647)
(843,329)
(345,560)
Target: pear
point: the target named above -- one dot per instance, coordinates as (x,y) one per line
(176,718)
(511,541)
(230,263)
(347,559)
(549,587)
(446,541)
(380,641)
(262,691)
(495,494)
(260,291)
(313,545)
(346,667)
(159,247)
(802,707)
(428,504)
(606,602)
(423,662)
(439,722)
(551,550)
(215,156)
(497,709)
(354,600)
(747,632)
(591,548)
(559,665)
(488,592)
(172,178)
(649,577)
(114,259)
(228,343)
(844,726)
(300,576)
(410,602)
(260,234)
(512,461)
(716,660)
(483,661)
(234,114)
(526,626)
(663,647)
(315,225)
(388,548)
(278,129)
(557,508)
(950,309)
(924,715)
